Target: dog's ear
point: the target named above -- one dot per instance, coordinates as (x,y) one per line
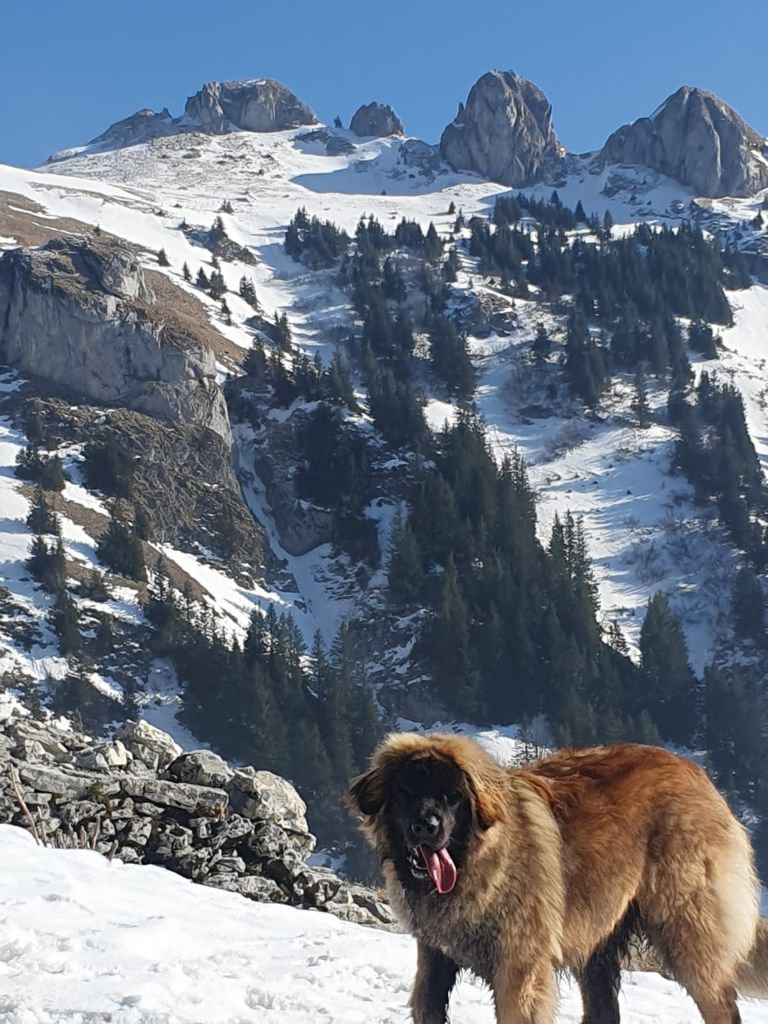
(366,794)
(486,794)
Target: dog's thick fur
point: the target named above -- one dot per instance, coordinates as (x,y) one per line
(561,864)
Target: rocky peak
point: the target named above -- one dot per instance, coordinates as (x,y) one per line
(258,105)
(697,139)
(376,119)
(504,132)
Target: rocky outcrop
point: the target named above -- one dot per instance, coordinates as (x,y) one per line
(376,119)
(139,799)
(697,139)
(79,314)
(504,132)
(259,105)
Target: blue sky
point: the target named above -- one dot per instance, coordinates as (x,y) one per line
(68,68)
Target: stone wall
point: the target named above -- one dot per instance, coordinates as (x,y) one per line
(139,798)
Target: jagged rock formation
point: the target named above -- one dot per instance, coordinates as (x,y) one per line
(79,314)
(144,124)
(139,798)
(504,132)
(697,139)
(259,105)
(376,119)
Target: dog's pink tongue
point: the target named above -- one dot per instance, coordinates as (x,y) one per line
(441,868)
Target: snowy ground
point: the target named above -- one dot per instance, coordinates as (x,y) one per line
(84,941)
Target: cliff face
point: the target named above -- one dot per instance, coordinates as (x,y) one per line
(504,132)
(79,314)
(697,139)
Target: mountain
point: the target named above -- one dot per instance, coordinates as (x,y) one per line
(504,132)
(232,505)
(697,139)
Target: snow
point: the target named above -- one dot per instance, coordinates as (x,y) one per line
(83,940)
(651,538)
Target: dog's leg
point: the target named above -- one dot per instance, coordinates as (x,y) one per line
(526,997)
(435,977)
(600,979)
(599,983)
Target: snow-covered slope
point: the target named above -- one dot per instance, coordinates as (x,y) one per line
(643,531)
(83,939)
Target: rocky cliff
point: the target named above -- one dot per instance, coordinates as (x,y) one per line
(260,105)
(504,132)
(697,139)
(78,313)
(139,798)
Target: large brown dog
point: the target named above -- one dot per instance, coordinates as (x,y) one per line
(517,873)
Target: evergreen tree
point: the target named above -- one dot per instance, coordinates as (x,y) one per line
(162,258)
(42,518)
(185,273)
(406,570)
(748,607)
(541,346)
(669,686)
(120,548)
(202,280)
(65,623)
(640,402)
(47,565)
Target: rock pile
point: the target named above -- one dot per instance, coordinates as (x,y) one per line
(138,797)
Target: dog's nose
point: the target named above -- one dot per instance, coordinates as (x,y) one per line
(425,828)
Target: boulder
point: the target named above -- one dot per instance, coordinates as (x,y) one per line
(199,800)
(697,139)
(262,796)
(155,748)
(376,119)
(257,105)
(202,768)
(263,890)
(504,132)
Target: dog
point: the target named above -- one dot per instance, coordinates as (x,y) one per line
(516,874)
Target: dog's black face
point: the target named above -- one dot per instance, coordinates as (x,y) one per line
(428,824)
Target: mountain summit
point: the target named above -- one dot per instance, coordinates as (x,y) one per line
(697,139)
(257,105)
(504,132)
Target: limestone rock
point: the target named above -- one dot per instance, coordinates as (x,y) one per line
(200,800)
(258,105)
(78,313)
(376,119)
(267,797)
(697,139)
(201,768)
(504,132)
(149,744)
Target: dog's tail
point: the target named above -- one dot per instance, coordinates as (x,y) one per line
(752,975)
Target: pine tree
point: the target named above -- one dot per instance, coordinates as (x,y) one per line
(162,258)
(748,607)
(541,345)
(640,402)
(406,570)
(669,693)
(42,518)
(185,272)
(120,549)
(65,623)
(202,280)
